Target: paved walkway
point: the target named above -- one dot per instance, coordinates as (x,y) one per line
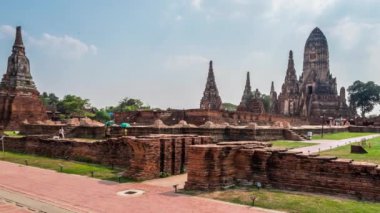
(11,201)
(74,193)
(8,206)
(329,144)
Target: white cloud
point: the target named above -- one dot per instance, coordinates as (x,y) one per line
(373,60)
(184,61)
(65,46)
(7,31)
(178,18)
(237,15)
(196,4)
(314,7)
(241,2)
(349,32)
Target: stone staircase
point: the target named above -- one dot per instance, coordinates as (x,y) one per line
(292,135)
(69,130)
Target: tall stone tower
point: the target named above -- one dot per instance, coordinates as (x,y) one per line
(318,89)
(19,98)
(315,93)
(288,100)
(211,99)
(316,58)
(250,102)
(273,105)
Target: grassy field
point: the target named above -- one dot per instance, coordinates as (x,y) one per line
(290,144)
(70,167)
(373,154)
(293,201)
(14,134)
(341,135)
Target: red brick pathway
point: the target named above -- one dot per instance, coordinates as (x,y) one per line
(83,194)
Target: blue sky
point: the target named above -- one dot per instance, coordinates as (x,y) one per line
(158,51)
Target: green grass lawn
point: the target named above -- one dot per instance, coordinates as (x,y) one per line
(290,144)
(15,134)
(292,201)
(373,154)
(341,135)
(70,167)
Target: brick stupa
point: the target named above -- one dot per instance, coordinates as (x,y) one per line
(211,99)
(19,97)
(251,102)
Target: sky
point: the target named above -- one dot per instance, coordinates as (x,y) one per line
(158,51)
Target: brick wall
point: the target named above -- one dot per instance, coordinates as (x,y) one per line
(219,134)
(199,117)
(217,166)
(142,157)
(364,129)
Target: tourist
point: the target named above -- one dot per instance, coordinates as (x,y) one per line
(108,132)
(61,133)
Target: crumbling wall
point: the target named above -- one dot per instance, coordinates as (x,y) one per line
(142,157)
(374,129)
(210,167)
(217,166)
(324,175)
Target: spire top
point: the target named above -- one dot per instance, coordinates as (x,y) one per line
(211,98)
(18,46)
(272,87)
(18,40)
(248,81)
(291,62)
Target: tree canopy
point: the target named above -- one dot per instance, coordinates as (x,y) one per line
(129,104)
(229,106)
(364,96)
(73,105)
(49,99)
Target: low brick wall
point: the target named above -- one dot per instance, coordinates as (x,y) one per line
(39,129)
(326,130)
(217,166)
(143,157)
(219,134)
(70,131)
(374,129)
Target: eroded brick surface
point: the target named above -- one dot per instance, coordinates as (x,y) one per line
(217,166)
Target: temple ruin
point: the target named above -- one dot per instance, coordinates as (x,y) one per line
(211,99)
(251,102)
(315,93)
(19,97)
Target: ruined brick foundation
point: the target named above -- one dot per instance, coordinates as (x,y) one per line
(212,167)
(142,157)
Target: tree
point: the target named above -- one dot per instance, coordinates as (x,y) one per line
(364,96)
(129,104)
(229,106)
(266,102)
(265,99)
(49,100)
(75,105)
(102,115)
